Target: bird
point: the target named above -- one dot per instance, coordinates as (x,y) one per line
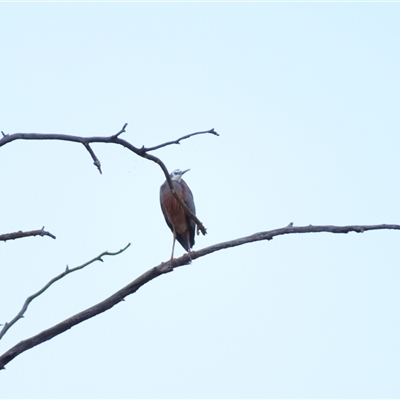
(181,225)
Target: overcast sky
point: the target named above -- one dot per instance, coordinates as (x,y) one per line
(306,100)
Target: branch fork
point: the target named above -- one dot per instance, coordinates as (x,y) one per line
(115,139)
(167,267)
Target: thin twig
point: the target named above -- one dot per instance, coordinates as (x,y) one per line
(166,267)
(67,271)
(96,161)
(177,141)
(17,235)
(121,131)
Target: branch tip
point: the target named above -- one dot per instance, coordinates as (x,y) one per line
(98,165)
(96,161)
(121,131)
(213,131)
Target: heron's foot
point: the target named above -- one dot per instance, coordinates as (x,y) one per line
(190,253)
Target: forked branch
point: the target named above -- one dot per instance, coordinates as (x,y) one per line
(67,271)
(114,139)
(163,268)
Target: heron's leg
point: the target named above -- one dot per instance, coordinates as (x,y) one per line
(173,246)
(188,240)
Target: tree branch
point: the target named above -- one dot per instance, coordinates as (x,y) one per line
(115,139)
(96,161)
(121,131)
(67,271)
(177,141)
(166,267)
(17,235)
(269,235)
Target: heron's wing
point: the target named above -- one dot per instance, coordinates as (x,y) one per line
(166,219)
(175,217)
(189,201)
(164,193)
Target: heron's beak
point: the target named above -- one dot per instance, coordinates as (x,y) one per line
(184,172)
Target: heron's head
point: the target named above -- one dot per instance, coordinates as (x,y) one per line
(177,174)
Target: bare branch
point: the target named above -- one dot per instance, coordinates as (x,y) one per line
(269,235)
(70,138)
(17,235)
(177,141)
(67,271)
(121,131)
(115,139)
(163,268)
(95,159)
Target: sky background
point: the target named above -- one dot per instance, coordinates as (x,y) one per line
(306,100)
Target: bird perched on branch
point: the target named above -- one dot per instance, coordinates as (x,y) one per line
(181,225)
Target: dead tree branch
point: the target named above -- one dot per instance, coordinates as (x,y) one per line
(163,268)
(17,235)
(67,271)
(122,130)
(178,141)
(96,161)
(115,139)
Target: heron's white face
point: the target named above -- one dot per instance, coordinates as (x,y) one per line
(177,174)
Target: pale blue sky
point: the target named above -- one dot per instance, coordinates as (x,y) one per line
(306,98)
